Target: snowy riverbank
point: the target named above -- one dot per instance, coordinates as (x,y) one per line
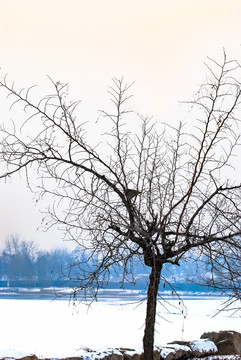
(57,329)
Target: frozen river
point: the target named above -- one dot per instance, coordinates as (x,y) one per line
(60,329)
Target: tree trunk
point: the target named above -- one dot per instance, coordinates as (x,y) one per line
(148,339)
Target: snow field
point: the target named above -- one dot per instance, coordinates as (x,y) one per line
(57,329)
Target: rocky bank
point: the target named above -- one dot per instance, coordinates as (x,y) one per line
(222,345)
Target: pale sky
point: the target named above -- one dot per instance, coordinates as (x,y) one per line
(160,45)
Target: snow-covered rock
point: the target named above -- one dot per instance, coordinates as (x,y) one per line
(227,342)
(175,351)
(186,349)
(203,347)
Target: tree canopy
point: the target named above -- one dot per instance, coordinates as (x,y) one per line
(157,192)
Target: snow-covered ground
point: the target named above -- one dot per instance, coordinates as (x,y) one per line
(59,329)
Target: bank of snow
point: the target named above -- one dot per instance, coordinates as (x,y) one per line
(56,329)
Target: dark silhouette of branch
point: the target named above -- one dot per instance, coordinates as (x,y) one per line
(158,196)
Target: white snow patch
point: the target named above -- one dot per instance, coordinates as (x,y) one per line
(99,355)
(56,329)
(203,346)
(173,348)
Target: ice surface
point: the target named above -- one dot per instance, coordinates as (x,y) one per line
(57,329)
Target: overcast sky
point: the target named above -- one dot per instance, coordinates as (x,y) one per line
(161,45)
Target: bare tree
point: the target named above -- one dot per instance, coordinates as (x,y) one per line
(19,258)
(156,195)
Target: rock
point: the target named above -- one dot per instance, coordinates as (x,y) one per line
(156,356)
(227,342)
(136,357)
(175,351)
(185,349)
(203,347)
(113,357)
(127,357)
(30,357)
(124,350)
(69,358)
(178,342)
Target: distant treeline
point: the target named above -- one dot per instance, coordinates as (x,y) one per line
(21,260)
(22,263)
